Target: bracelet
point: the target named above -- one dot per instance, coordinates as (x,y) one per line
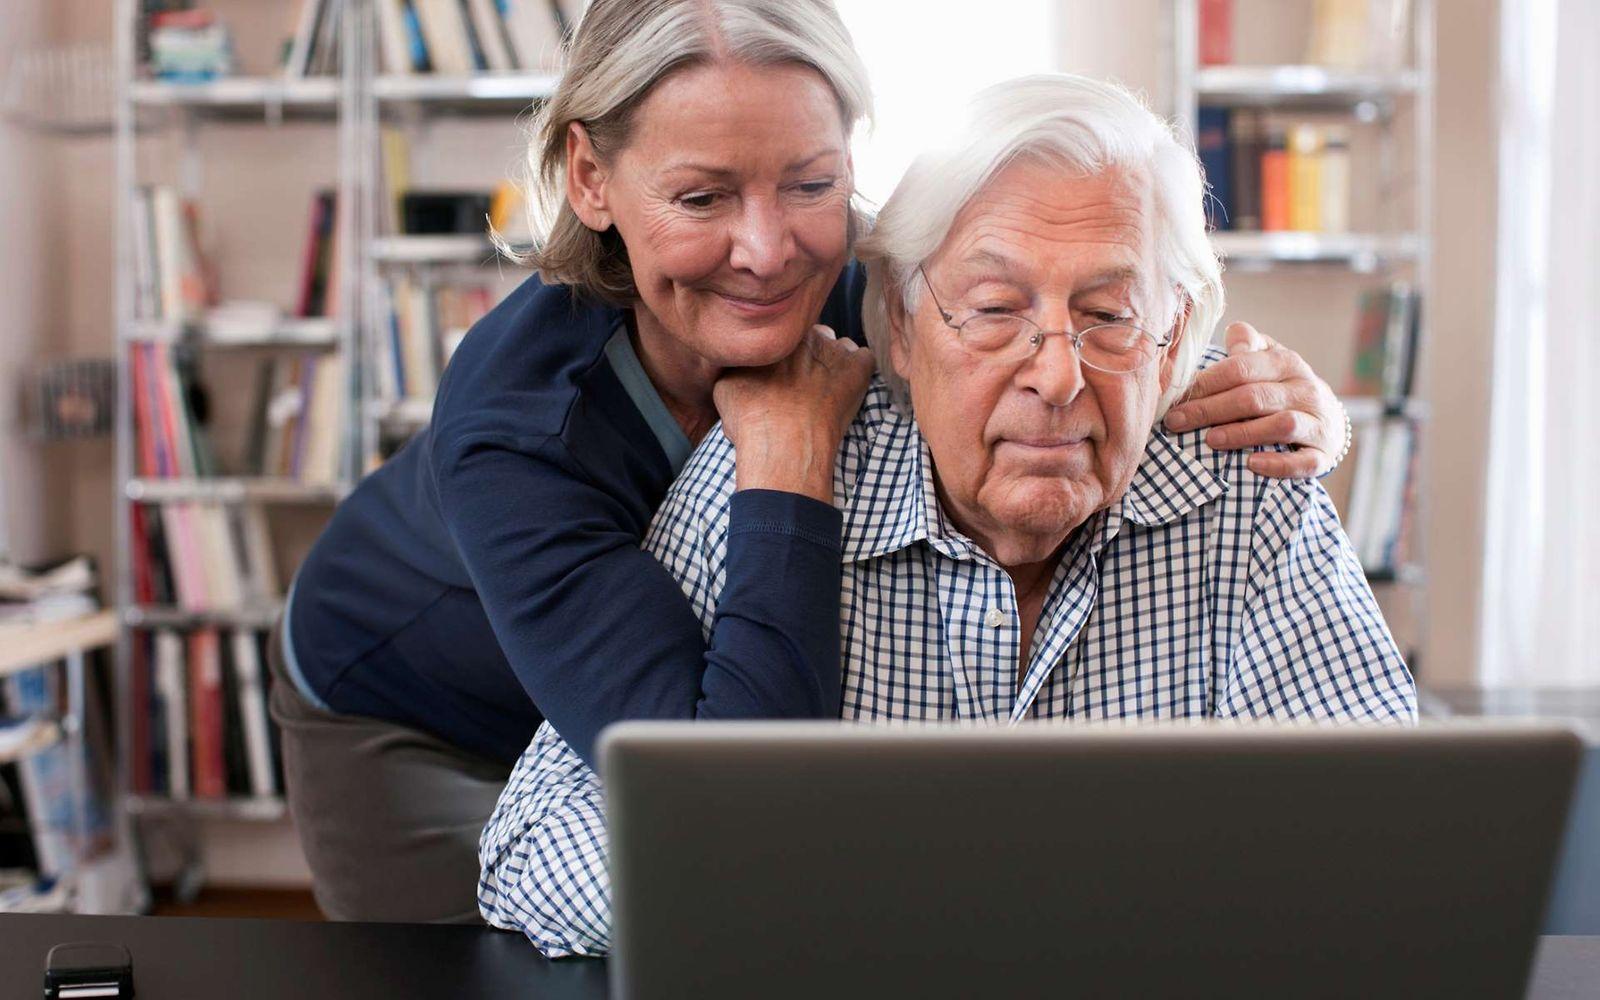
(1349,438)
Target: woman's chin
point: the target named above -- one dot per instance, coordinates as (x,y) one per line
(753,347)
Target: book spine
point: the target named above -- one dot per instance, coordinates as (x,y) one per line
(1335,180)
(1216,156)
(253,713)
(1305,179)
(205,695)
(1275,182)
(1216,32)
(174,706)
(1245,169)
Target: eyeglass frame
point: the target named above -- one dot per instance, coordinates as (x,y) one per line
(1037,338)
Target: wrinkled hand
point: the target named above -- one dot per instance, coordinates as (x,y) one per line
(1265,394)
(786,420)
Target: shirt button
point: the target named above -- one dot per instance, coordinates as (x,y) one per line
(995,618)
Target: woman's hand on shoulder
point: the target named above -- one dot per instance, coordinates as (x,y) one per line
(1265,394)
(786,420)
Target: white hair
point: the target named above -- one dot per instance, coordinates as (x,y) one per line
(1085,126)
(620,51)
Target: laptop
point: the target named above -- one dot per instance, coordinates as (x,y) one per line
(836,859)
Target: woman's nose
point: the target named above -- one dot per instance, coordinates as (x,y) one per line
(762,241)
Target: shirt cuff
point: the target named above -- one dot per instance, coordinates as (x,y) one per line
(774,512)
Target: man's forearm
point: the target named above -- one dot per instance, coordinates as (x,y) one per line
(542,856)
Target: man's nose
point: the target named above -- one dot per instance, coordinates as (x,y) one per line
(1054,371)
(762,239)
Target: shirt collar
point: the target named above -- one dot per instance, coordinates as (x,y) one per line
(895,504)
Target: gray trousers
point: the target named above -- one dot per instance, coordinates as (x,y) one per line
(388,817)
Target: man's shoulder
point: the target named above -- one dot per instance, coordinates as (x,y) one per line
(700,497)
(1231,466)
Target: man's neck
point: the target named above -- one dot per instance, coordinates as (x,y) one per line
(683,379)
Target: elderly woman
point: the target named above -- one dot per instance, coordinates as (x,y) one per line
(1018,542)
(695,160)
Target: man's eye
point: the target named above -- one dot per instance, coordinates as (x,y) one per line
(1101,316)
(700,201)
(996,310)
(815,188)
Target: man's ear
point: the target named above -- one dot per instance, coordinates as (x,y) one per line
(899,327)
(586,180)
(1169,354)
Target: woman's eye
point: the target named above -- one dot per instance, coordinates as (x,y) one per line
(1101,316)
(815,188)
(699,201)
(996,310)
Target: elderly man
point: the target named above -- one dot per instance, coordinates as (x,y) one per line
(1019,544)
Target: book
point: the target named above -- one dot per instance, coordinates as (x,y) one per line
(1244,140)
(171,687)
(1388,326)
(394,40)
(535,33)
(1339,34)
(1216,32)
(1335,180)
(1305,178)
(205,718)
(253,713)
(317,260)
(1212,142)
(444,30)
(490,31)
(298,61)
(1275,180)
(235,765)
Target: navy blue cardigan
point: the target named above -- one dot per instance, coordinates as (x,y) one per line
(489,574)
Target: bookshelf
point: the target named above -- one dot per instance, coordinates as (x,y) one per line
(165,133)
(347,92)
(1246,76)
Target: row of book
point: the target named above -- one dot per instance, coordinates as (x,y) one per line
(423,322)
(172,278)
(298,418)
(169,407)
(199,726)
(1382,499)
(50,817)
(1271,176)
(454,37)
(470,36)
(176,283)
(1388,328)
(1344,34)
(202,556)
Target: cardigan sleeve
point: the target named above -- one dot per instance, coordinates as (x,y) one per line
(596,630)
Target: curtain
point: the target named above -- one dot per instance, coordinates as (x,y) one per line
(1541,594)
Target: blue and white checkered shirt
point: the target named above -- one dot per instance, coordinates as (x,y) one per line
(1205,591)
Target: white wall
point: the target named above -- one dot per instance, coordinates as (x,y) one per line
(55,280)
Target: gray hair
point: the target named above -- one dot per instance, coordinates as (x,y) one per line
(1083,125)
(621,50)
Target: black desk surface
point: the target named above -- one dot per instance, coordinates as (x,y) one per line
(175,958)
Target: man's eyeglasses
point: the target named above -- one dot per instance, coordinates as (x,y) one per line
(1007,338)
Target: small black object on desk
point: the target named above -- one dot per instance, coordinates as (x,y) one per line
(88,969)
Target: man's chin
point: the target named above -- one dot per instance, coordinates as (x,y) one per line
(1037,519)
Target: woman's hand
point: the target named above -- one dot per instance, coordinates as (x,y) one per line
(1265,394)
(786,420)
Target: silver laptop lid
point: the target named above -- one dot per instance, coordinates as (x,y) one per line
(829,859)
